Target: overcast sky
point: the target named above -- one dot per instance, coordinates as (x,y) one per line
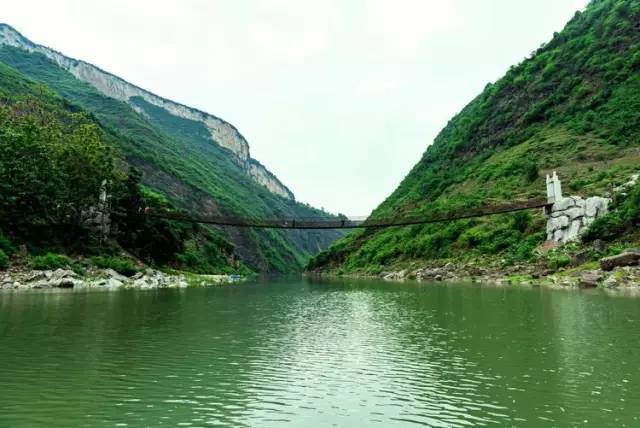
(338,98)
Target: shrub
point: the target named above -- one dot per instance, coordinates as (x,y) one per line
(5,245)
(50,261)
(557,261)
(4,260)
(615,224)
(120,265)
(606,228)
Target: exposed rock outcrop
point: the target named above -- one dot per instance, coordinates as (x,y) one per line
(221,132)
(262,176)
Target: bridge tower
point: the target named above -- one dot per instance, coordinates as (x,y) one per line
(554,188)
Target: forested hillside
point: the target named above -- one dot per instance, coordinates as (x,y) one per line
(572,106)
(177,160)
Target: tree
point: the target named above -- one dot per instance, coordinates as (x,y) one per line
(52,165)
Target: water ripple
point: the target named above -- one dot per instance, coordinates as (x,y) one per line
(301,353)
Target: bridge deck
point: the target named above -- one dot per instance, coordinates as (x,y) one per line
(345,223)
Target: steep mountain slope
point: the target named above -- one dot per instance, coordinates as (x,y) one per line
(201,163)
(573,106)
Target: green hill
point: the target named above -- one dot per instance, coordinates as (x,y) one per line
(573,106)
(198,162)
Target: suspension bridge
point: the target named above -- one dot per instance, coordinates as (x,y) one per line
(340,222)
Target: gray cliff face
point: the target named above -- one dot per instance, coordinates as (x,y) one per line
(223,133)
(263,176)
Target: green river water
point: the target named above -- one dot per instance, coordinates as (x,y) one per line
(310,353)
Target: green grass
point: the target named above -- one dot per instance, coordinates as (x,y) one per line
(121,265)
(51,261)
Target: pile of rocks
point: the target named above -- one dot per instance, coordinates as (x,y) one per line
(621,277)
(449,271)
(621,271)
(59,278)
(103,279)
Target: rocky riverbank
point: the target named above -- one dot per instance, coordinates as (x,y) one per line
(620,271)
(106,279)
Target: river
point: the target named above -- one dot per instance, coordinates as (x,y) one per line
(314,353)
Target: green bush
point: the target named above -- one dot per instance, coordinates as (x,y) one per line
(624,218)
(50,261)
(4,260)
(557,261)
(120,265)
(6,245)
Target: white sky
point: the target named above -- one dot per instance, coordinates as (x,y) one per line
(339,98)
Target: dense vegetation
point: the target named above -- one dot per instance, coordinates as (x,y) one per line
(623,220)
(184,168)
(572,106)
(55,163)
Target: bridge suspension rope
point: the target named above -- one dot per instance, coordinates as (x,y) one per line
(353,223)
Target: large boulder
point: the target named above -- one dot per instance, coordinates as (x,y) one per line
(590,278)
(627,258)
(59,278)
(110,273)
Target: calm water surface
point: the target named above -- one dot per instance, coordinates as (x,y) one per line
(309,353)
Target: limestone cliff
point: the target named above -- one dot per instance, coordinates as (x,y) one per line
(263,176)
(222,133)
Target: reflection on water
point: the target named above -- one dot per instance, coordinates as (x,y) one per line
(310,353)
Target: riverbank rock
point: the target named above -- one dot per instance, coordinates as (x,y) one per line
(112,274)
(395,276)
(60,278)
(610,282)
(590,278)
(156,279)
(109,283)
(18,279)
(627,258)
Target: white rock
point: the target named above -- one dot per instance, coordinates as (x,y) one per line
(558,235)
(575,212)
(573,232)
(563,204)
(113,283)
(610,282)
(596,206)
(63,273)
(554,224)
(115,275)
